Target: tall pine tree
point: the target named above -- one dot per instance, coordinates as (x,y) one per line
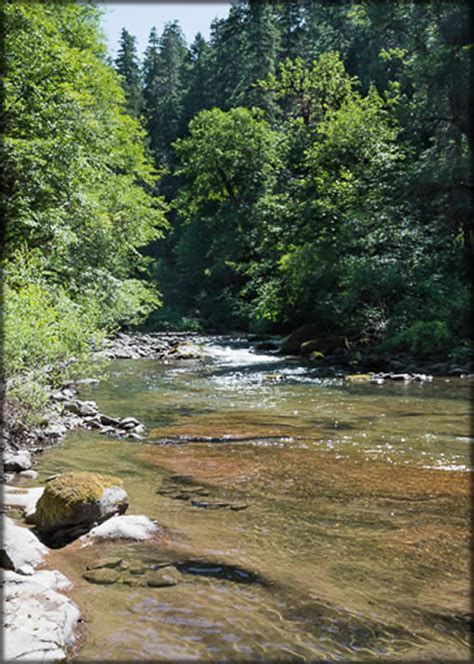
(128,66)
(164,71)
(199,92)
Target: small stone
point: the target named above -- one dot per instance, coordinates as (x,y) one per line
(163,578)
(162,563)
(109,421)
(180,495)
(83,408)
(236,507)
(109,431)
(456,371)
(134,581)
(17,461)
(55,430)
(400,377)
(136,570)
(358,378)
(103,576)
(94,423)
(104,563)
(62,396)
(126,421)
(89,408)
(134,436)
(29,474)
(209,504)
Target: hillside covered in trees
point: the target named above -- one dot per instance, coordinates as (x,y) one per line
(309,163)
(316,161)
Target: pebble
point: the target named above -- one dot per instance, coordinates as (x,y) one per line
(29,474)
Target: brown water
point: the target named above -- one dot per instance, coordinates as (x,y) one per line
(331,523)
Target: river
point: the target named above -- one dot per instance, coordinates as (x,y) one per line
(311,519)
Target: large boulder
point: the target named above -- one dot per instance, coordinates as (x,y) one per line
(79,499)
(309,338)
(292,343)
(308,347)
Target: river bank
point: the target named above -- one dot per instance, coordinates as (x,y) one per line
(41,621)
(65,411)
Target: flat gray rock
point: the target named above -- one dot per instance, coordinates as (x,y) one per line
(133,527)
(38,622)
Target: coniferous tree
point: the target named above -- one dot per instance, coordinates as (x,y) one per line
(151,91)
(164,70)
(198,90)
(128,66)
(290,22)
(227,71)
(260,52)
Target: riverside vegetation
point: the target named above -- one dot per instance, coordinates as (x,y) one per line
(302,177)
(309,163)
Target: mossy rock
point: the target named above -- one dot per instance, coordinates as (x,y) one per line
(76,498)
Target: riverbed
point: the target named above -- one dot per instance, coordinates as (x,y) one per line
(310,519)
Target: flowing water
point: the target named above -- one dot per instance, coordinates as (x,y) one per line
(309,519)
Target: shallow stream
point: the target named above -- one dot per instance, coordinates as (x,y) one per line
(309,519)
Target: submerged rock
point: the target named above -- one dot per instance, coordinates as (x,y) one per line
(163,577)
(79,498)
(133,527)
(110,571)
(111,563)
(103,576)
(210,504)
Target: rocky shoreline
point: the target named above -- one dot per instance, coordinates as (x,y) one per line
(65,411)
(40,621)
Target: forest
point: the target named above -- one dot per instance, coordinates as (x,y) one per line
(236,333)
(309,163)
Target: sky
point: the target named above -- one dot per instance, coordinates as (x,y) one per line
(139,17)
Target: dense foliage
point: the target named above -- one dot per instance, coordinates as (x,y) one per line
(78,184)
(311,161)
(319,170)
